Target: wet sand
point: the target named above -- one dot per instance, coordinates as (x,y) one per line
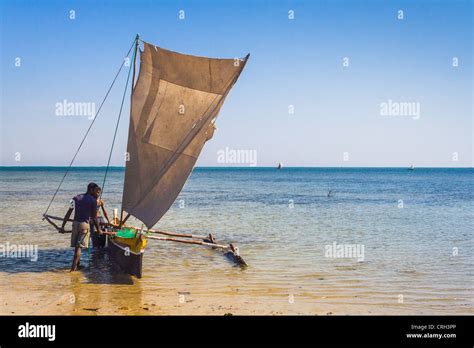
(72,297)
(67,293)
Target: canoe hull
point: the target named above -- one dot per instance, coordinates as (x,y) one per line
(130,262)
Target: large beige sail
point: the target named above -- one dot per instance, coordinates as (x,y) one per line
(174,105)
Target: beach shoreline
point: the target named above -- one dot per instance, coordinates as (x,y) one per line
(74,297)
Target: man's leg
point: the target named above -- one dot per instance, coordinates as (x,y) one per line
(74,244)
(76,260)
(82,241)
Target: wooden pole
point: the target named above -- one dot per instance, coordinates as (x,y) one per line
(195,242)
(122,222)
(121,218)
(114,217)
(50,218)
(232,250)
(183,235)
(137,43)
(47,217)
(209,238)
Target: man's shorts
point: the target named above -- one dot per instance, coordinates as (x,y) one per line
(80,234)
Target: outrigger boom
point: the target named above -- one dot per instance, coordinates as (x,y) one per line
(208,241)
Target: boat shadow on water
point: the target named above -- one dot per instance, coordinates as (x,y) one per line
(101,270)
(95,265)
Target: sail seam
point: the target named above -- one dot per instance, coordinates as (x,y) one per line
(159,106)
(177,84)
(210,75)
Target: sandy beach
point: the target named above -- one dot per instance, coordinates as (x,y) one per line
(65,293)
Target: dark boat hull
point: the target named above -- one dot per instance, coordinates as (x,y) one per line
(128,261)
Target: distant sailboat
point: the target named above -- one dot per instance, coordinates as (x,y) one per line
(412,167)
(280,165)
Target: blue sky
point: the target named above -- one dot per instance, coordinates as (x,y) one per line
(293,62)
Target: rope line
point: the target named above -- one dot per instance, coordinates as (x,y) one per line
(118,122)
(87,132)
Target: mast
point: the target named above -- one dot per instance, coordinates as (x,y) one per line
(137,43)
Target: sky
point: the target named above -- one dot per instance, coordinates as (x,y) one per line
(369,86)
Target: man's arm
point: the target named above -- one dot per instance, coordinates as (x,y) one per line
(97,227)
(104,211)
(65,220)
(95,220)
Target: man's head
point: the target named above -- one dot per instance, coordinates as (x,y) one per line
(93,189)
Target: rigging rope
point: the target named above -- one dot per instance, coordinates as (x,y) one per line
(87,132)
(118,119)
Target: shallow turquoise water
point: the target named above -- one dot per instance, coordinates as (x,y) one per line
(415,226)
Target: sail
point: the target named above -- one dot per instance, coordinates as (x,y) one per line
(174,105)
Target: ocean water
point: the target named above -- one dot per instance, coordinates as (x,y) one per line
(415,227)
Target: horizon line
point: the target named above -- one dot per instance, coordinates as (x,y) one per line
(243,167)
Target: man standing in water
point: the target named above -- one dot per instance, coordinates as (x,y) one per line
(85,214)
(98,239)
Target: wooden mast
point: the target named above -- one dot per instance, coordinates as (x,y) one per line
(137,43)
